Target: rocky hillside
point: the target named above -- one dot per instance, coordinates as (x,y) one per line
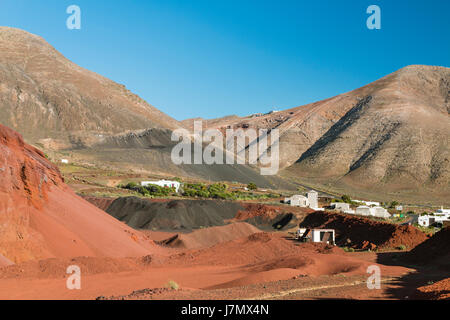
(49,99)
(71,112)
(391,136)
(394,139)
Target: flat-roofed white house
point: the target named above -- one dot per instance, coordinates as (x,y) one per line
(341,206)
(297,201)
(163,183)
(317,235)
(439,217)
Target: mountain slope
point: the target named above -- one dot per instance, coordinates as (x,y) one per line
(73,113)
(392,135)
(395,139)
(43,95)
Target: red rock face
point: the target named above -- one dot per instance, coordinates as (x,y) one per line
(25,172)
(40,217)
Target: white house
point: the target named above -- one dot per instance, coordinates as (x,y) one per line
(311,200)
(439,217)
(65,161)
(377,212)
(317,235)
(297,201)
(341,206)
(163,183)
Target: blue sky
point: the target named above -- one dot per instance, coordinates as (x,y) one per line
(212,58)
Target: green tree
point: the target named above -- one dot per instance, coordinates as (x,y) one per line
(252,186)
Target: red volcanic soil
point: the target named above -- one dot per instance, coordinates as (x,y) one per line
(45,227)
(436,291)
(268,254)
(258,258)
(205,238)
(267,212)
(40,217)
(361,233)
(5,262)
(258,210)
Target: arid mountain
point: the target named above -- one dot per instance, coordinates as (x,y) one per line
(65,109)
(41,217)
(51,100)
(391,136)
(395,139)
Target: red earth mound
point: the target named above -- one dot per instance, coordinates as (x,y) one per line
(204,238)
(361,233)
(267,212)
(40,217)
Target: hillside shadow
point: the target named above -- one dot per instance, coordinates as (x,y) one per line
(406,286)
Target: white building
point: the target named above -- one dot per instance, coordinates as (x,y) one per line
(399,208)
(377,212)
(368,203)
(311,200)
(341,206)
(363,211)
(439,217)
(65,161)
(380,212)
(297,201)
(317,235)
(163,183)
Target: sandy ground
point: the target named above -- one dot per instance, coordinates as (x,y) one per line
(277,269)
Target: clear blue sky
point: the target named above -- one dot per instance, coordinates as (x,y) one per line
(212,58)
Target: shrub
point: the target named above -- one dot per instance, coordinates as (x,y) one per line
(172,285)
(393,204)
(401,247)
(346,198)
(252,186)
(132,186)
